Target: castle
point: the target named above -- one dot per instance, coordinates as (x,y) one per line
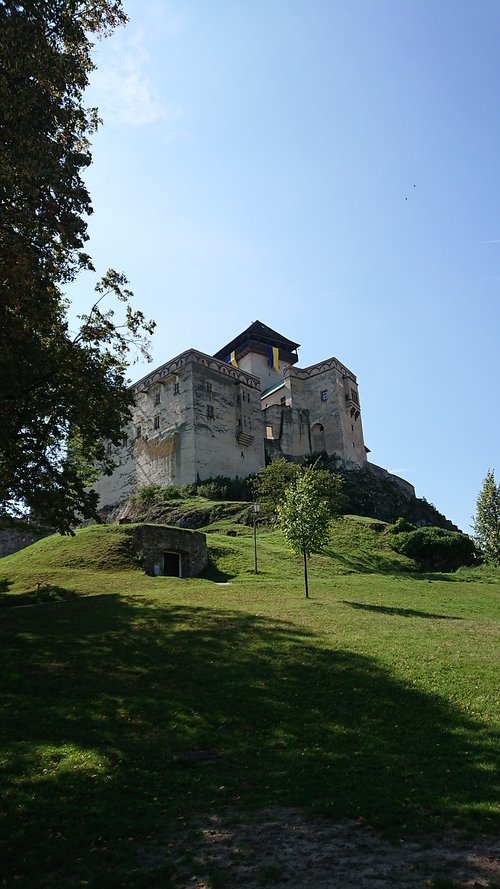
(200,416)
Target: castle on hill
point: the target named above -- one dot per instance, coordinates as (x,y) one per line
(199,416)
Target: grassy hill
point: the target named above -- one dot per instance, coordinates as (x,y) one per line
(131,704)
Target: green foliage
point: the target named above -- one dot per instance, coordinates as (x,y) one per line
(487,519)
(401,525)
(303,517)
(158,493)
(218,488)
(271,483)
(63,394)
(305,512)
(224,488)
(435,549)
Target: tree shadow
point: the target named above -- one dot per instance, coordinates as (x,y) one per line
(122,716)
(401,612)
(372,564)
(46,595)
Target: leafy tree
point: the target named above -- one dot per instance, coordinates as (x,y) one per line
(486,523)
(63,395)
(272,481)
(436,549)
(305,512)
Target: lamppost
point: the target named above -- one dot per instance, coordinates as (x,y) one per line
(256,510)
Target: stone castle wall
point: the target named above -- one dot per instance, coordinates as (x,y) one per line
(197,417)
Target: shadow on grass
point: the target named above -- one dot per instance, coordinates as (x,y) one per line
(373,563)
(401,612)
(44,596)
(106,699)
(212,572)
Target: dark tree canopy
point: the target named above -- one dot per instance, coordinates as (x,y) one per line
(62,394)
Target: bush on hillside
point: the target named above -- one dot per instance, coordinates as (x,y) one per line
(435,549)
(223,488)
(219,488)
(158,493)
(401,525)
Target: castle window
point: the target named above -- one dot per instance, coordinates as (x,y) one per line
(156,422)
(209,386)
(138,431)
(157,397)
(210,411)
(176,388)
(283,400)
(324,395)
(109,448)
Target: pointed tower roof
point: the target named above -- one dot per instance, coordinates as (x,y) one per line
(257,338)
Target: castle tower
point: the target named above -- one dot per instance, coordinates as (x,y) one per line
(260,351)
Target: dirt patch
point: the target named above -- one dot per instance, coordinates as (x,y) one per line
(284,848)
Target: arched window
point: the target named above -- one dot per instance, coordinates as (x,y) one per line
(318,438)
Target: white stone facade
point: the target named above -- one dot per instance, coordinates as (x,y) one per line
(197,417)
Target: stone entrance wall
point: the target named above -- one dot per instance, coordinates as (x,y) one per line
(152,541)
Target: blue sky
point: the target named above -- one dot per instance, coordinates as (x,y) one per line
(331,168)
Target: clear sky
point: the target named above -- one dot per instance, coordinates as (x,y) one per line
(331,168)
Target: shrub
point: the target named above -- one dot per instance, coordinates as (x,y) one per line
(401,525)
(435,549)
(223,488)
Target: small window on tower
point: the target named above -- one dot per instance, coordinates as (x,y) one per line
(210,411)
(138,431)
(156,422)
(283,400)
(209,386)
(109,448)
(176,388)
(324,395)
(157,397)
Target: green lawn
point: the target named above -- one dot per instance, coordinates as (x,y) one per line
(377,698)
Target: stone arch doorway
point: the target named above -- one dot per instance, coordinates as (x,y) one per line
(171,564)
(318,438)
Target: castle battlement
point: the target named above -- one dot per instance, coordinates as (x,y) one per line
(173,367)
(321,367)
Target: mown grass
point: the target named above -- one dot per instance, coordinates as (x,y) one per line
(376,699)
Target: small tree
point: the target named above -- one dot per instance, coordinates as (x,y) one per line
(486,523)
(271,482)
(306,510)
